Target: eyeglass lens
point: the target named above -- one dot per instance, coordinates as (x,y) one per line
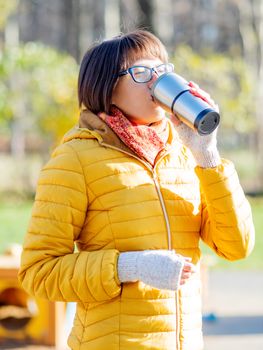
(143,74)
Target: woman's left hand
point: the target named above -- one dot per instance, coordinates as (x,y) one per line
(203,147)
(188,270)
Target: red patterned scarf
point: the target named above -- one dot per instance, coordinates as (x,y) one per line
(146,141)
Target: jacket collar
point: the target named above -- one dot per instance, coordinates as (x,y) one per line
(92,127)
(92,122)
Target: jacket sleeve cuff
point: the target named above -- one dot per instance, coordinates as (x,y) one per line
(127,267)
(208,158)
(109,275)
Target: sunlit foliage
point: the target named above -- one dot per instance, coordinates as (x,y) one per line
(39,85)
(6,9)
(228,80)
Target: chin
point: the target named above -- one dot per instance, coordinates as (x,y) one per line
(156,115)
(159,114)
(152,116)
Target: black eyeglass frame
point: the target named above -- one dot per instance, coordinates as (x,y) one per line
(152,70)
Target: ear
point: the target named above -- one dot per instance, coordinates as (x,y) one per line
(102,115)
(114,92)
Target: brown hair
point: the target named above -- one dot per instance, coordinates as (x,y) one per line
(101,64)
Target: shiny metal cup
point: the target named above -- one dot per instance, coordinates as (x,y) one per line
(171,92)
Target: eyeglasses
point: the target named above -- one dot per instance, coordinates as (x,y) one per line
(142,74)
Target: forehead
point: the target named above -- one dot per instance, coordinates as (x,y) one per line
(145,53)
(148,62)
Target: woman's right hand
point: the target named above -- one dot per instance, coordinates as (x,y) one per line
(161,269)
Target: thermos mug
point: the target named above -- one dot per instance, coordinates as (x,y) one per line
(171,92)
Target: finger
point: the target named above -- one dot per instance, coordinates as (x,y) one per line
(183,280)
(188,264)
(174,119)
(202,96)
(193,84)
(199,93)
(187,272)
(186,275)
(190,267)
(195,88)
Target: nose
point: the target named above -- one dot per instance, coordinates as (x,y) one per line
(155,76)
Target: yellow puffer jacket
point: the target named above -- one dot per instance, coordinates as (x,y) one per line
(97,194)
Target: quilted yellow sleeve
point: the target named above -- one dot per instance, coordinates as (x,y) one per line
(49,266)
(227,225)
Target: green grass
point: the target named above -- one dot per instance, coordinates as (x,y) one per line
(14,217)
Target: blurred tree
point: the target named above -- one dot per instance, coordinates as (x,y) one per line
(251,28)
(37,92)
(98,11)
(128,14)
(69,20)
(231,27)
(6,8)
(201,24)
(72,25)
(146,17)
(260,92)
(52,22)
(112,18)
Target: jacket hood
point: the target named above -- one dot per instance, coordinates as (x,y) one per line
(92,127)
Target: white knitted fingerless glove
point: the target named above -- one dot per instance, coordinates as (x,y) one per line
(203,147)
(160,269)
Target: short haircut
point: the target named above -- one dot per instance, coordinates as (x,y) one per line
(102,63)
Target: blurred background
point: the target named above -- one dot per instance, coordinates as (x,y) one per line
(216,43)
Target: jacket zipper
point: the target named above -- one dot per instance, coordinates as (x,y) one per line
(156,182)
(167,223)
(157,186)
(178,347)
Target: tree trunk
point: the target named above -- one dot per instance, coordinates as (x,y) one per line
(98,19)
(129,14)
(247,31)
(260,95)
(112,18)
(146,14)
(251,29)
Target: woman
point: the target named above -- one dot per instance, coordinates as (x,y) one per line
(135,192)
